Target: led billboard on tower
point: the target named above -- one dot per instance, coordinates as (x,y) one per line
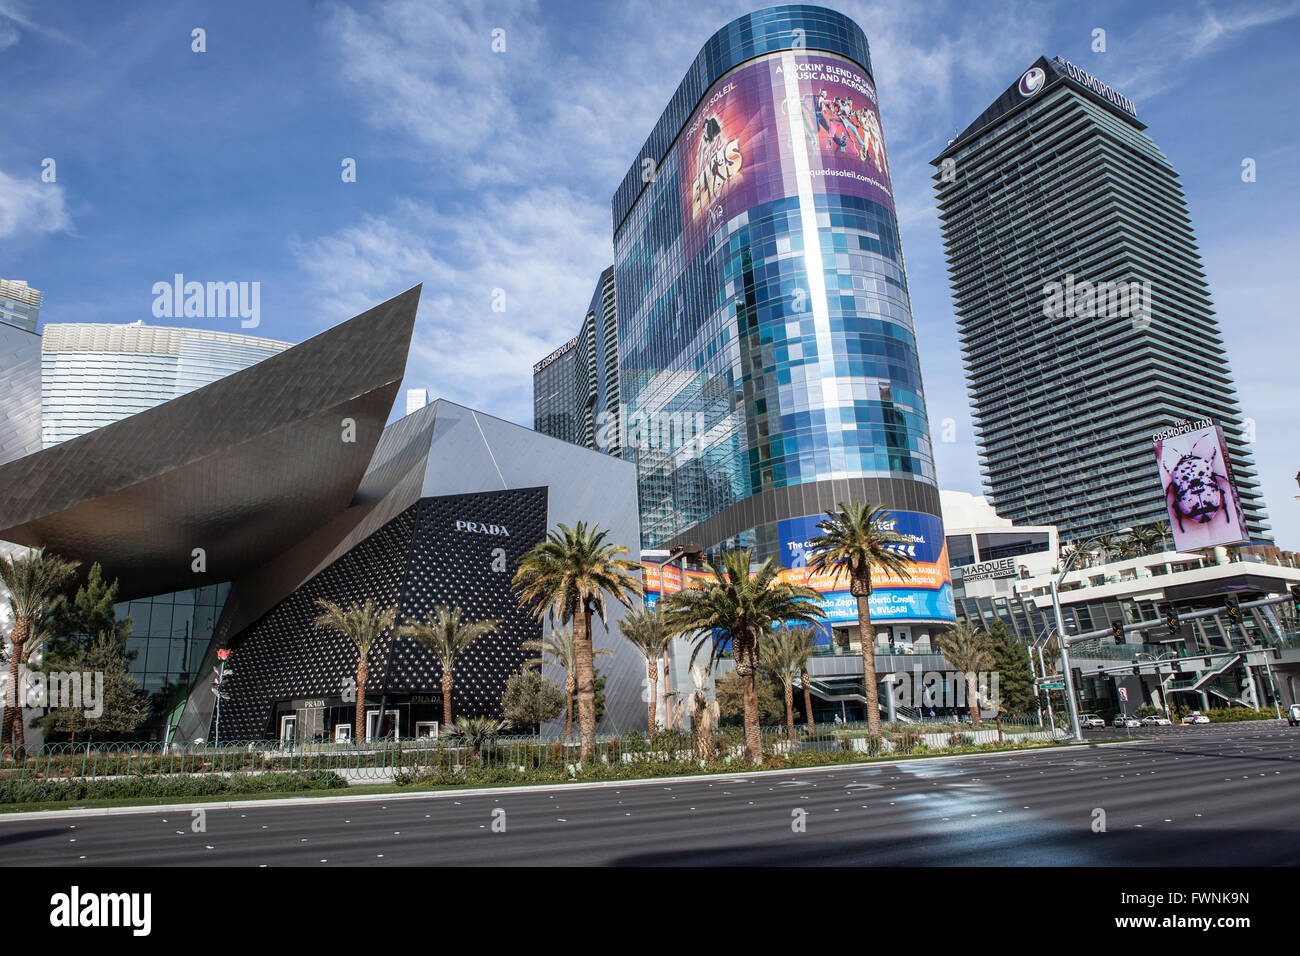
(1200,494)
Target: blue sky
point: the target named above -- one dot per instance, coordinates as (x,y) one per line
(479,171)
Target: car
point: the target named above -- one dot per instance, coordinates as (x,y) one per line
(1155,720)
(1123,721)
(1293,715)
(1196,717)
(1091,720)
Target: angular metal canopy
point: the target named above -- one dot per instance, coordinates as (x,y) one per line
(242,468)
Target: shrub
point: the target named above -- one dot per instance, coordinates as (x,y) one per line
(40,790)
(1225,715)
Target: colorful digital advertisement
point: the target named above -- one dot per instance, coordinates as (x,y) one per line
(925,595)
(756,128)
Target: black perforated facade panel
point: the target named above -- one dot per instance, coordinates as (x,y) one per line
(459,550)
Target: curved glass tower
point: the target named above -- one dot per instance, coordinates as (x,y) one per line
(767,359)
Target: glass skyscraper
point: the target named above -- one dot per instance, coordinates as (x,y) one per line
(95,374)
(767,359)
(575,388)
(1083,308)
(555,393)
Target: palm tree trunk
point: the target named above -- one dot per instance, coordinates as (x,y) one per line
(789,708)
(568,704)
(582,660)
(668,693)
(703,725)
(807,700)
(867,642)
(652,672)
(363,672)
(446,696)
(746,666)
(973,698)
(14,713)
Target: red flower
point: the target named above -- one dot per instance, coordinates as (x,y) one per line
(223,654)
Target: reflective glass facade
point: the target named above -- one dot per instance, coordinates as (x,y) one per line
(575,388)
(170,635)
(95,374)
(556,411)
(767,357)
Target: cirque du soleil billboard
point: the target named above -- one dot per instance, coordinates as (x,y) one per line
(758,127)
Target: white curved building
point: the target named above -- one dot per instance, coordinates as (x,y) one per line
(94,374)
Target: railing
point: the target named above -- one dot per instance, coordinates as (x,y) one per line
(851,650)
(540,757)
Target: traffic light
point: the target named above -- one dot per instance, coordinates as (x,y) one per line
(1295,595)
(1170,614)
(1233,608)
(1117,632)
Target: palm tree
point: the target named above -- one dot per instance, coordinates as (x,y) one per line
(362,624)
(557,648)
(1149,536)
(969,650)
(1105,545)
(476,733)
(444,633)
(1069,550)
(784,655)
(736,609)
(33,581)
(704,712)
(645,628)
(853,540)
(1161,528)
(569,574)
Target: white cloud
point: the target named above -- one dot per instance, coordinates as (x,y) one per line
(544,247)
(12,10)
(31,207)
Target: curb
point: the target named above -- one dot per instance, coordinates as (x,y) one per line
(72,814)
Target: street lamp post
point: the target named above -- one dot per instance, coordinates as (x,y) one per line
(1063,641)
(1071,705)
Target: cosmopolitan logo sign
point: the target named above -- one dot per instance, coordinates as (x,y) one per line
(559,353)
(1090,82)
(480,527)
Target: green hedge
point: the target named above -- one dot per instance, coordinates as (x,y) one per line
(1227,715)
(117,788)
(642,767)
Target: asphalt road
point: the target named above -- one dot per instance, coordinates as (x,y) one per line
(1220,795)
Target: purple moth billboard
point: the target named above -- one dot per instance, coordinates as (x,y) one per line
(1200,493)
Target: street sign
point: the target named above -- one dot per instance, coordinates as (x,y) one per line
(1052,686)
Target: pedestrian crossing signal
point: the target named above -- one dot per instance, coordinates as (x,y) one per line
(1117,632)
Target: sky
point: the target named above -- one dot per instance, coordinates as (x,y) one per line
(487,174)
